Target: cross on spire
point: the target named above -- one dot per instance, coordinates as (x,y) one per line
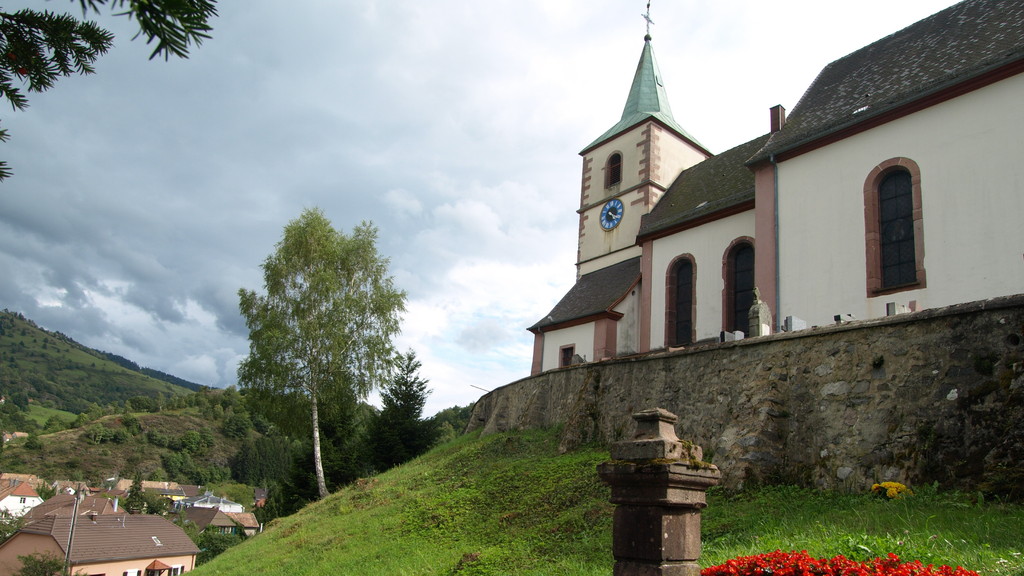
(647,17)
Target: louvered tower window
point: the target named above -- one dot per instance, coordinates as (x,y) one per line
(613,170)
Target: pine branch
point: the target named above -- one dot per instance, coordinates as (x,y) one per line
(37,48)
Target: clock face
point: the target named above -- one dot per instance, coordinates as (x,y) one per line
(611,214)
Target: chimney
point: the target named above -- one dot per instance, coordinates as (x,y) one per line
(778,117)
(115,503)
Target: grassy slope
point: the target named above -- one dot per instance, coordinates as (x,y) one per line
(55,369)
(40,414)
(68,453)
(510,505)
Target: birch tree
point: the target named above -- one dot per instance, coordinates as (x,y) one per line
(323,330)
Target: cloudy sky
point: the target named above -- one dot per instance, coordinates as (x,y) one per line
(146,195)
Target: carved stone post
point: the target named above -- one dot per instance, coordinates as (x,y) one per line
(658,486)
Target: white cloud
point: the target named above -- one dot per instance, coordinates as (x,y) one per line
(146,195)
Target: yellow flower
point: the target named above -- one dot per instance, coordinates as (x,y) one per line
(891,489)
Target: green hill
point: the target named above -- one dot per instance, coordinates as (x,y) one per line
(181,444)
(51,369)
(510,505)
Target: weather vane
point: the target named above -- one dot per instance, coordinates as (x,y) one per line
(647,16)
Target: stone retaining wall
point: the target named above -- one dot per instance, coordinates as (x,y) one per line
(936,395)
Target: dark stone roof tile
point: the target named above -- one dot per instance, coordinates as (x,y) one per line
(945,49)
(715,184)
(593,294)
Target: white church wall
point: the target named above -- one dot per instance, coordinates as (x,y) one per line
(969,151)
(581,337)
(673,157)
(627,328)
(707,244)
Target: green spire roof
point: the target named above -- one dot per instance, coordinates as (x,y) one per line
(647,99)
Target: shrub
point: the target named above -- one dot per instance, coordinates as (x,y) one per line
(237,425)
(40,564)
(780,563)
(131,423)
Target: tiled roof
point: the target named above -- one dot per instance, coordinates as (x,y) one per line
(647,100)
(63,504)
(156,487)
(941,51)
(19,489)
(191,490)
(207,500)
(115,537)
(203,517)
(31,479)
(244,519)
(593,294)
(716,184)
(72,485)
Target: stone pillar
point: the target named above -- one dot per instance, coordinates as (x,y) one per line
(658,486)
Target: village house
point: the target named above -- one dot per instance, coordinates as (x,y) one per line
(72,487)
(17,498)
(123,544)
(211,519)
(208,500)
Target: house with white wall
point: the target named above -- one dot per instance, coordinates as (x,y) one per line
(17,498)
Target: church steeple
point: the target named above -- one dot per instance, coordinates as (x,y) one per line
(647,99)
(628,169)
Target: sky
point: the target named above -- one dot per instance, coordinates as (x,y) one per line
(145,195)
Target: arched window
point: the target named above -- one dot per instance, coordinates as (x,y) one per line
(613,170)
(739,285)
(896,228)
(680,302)
(893,227)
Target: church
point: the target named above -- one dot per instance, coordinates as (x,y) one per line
(896,184)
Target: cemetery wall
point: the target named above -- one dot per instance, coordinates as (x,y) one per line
(930,396)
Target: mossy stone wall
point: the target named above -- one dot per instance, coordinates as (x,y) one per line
(936,395)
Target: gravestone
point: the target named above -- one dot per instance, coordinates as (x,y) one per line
(759,317)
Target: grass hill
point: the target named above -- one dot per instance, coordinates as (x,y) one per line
(55,371)
(510,505)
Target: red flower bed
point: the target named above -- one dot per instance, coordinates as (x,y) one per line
(780,563)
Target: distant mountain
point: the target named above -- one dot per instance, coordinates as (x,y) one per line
(52,369)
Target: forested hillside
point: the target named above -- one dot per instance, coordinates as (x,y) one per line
(54,371)
(91,416)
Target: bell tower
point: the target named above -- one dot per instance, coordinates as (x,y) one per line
(629,167)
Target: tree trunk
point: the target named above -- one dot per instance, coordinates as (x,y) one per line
(317,461)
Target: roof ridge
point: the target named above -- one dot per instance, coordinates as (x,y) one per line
(951,47)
